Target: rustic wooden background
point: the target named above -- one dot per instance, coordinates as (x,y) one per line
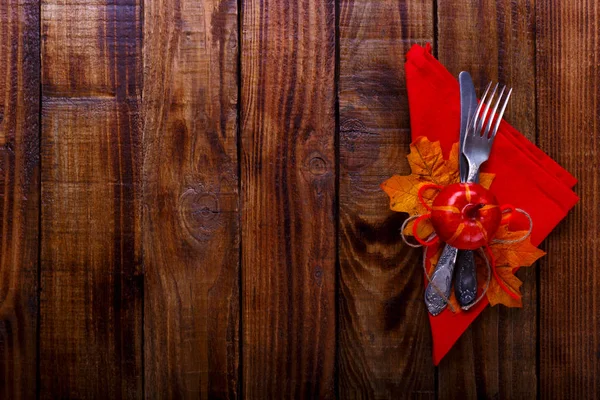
(190,203)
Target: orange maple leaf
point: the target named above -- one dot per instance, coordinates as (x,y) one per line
(427,161)
(497,295)
(514,255)
(485,179)
(403,192)
(509,257)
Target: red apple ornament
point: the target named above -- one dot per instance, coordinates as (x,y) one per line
(465,215)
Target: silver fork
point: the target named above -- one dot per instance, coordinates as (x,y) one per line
(476,148)
(478,141)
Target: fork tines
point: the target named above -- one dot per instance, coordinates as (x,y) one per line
(481,114)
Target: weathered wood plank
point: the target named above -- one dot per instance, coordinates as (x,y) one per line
(19,196)
(191,221)
(384,342)
(288,199)
(90,339)
(568,95)
(496,357)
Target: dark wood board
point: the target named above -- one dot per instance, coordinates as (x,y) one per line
(494,41)
(384,337)
(191,205)
(568,94)
(288,199)
(91,274)
(191,221)
(19,196)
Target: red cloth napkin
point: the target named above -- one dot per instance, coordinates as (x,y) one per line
(525,176)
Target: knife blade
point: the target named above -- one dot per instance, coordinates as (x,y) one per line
(440,285)
(468,106)
(465,284)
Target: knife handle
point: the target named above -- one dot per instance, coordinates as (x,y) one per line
(466,278)
(441,281)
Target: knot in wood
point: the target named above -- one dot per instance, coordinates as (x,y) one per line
(352,129)
(318,275)
(199,213)
(317,165)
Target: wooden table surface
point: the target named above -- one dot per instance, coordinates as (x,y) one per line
(190,202)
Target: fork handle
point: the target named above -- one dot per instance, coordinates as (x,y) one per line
(466,278)
(473,173)
(465,281)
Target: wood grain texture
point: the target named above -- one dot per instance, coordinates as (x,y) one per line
(384,339)
(19,196)
(568,96)
(131,214)
(494,41)
(288,199)
(191,220)
(90,334)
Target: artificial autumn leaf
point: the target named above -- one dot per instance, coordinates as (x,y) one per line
(427,161)
(485,179)
(403,192)
(497,295)
(514,255)
(453,158)
(509,257)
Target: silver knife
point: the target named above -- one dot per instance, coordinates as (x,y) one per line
(465,281)
(440,285)
(468,106)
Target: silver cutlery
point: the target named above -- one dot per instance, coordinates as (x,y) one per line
(477,134)
(438,290)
